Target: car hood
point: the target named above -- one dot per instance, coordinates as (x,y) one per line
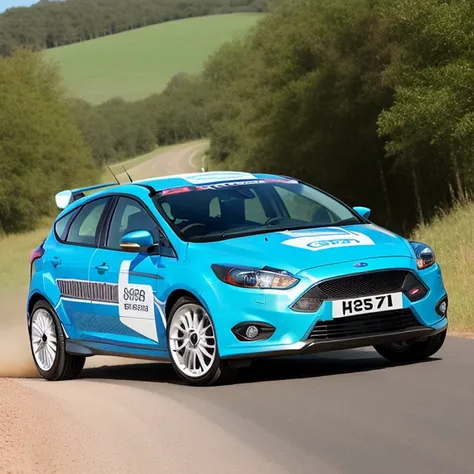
(299,250)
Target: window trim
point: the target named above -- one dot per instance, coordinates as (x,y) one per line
(104,234)
(79,209)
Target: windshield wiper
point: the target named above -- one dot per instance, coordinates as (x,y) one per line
(269,230)
(349,221)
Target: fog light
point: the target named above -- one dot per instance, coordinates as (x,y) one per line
(442,307)
(252,332)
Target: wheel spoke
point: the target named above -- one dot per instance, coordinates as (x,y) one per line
(184,323)
(206,345)
(183,345)
(201,360)
(206,353)
(204,330)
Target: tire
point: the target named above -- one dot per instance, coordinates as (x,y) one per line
(193,345)
(48,345)
(412,351)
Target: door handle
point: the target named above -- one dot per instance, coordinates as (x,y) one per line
(102,268)
(55,262)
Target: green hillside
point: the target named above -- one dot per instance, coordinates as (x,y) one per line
(140,62)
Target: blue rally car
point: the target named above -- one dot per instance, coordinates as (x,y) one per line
(212,270)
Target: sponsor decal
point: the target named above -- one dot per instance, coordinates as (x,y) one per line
(136,304)
(204,178)
(227,184)
(326,239)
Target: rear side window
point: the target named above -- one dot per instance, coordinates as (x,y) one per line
(84,227)
(62,225)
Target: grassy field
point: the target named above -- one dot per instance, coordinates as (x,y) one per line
(140,62)
(452,238)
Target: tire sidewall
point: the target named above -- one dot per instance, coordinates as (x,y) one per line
(57,368)
(216,369)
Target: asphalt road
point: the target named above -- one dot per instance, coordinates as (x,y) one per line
(345,412)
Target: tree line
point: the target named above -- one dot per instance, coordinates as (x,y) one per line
(41,148)
(369,99)
(372,100)
(51,24)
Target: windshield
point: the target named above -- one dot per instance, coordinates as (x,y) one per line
(226,210)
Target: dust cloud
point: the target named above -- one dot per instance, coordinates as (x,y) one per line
(15,355)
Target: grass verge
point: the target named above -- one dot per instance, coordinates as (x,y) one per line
(452,238)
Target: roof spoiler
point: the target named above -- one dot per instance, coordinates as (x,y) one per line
(64,198)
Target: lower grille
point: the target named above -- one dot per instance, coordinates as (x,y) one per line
(365,325)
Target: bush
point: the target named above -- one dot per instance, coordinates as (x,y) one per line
(41,148)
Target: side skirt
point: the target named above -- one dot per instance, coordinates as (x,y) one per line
(90,348)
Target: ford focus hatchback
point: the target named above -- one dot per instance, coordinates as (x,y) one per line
(209,271)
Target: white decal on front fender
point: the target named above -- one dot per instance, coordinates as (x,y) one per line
(136,305)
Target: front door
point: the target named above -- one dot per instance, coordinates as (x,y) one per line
(124,284)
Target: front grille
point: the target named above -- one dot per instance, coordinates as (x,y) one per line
(363,284)
(365,325)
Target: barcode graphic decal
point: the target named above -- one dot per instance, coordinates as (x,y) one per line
(89,290)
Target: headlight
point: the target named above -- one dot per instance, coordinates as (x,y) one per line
(265,278)
(425,256)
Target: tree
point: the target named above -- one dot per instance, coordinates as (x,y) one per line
(41,149)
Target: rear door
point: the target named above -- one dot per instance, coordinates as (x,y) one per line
(125,304)
(77,233)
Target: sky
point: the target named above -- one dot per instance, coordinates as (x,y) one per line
(4,4)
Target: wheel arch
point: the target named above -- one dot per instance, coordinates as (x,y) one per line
(32,300)
(175,295)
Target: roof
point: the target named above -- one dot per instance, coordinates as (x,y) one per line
(67,199)
(187,179)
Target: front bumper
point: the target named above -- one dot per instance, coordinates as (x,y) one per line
(231,306)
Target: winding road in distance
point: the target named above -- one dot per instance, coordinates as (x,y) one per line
(341,412)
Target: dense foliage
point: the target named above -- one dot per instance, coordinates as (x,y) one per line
(41,149)
(370,99)
(50,24)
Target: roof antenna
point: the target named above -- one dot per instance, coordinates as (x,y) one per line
(131,180)
(112,173)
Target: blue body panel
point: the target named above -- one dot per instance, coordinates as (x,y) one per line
(311,255)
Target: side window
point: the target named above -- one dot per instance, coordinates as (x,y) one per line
(215,207)
(129,216)
(303,209)
(61,226)
(254,210)
(84,227)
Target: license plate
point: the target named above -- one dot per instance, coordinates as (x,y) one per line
(368,304)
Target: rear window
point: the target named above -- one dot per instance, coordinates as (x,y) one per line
(84,226)
(62,225)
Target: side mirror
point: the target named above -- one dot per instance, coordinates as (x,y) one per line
(363,211)
(137,241)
